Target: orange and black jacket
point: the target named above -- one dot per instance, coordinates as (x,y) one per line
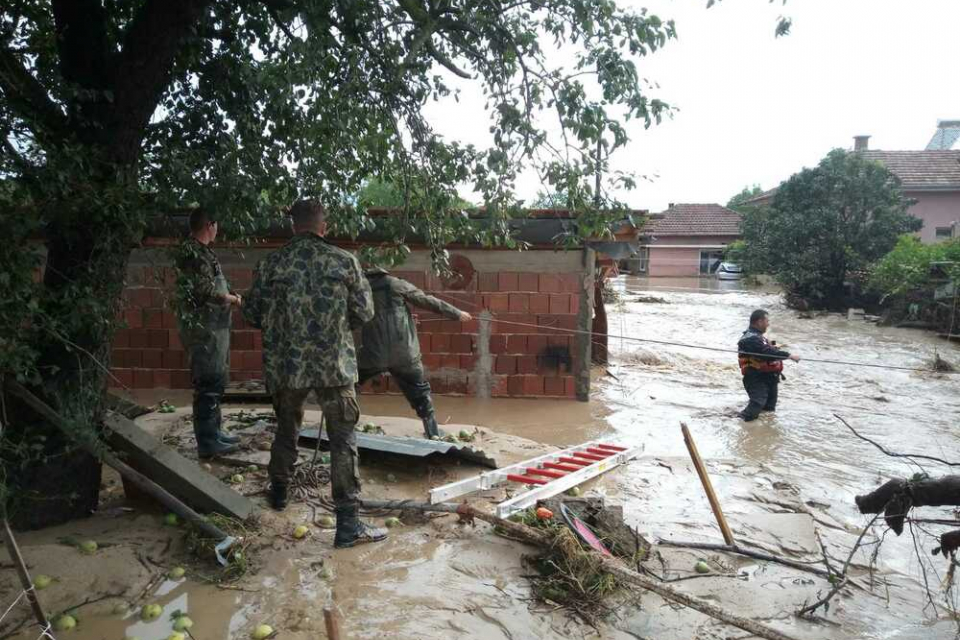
(758,354)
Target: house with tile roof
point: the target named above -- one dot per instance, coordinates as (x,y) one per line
(931,177)
(687,239)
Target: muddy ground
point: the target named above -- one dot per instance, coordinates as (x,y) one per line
(779,479)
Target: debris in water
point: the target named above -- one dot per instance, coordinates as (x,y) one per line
(940,365)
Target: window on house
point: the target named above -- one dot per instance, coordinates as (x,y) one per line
(710,259)
(944,233)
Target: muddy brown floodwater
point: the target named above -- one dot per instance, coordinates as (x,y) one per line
(779,479)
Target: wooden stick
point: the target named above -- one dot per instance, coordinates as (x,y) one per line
(611,565)
(25,581)
(333,627)
(707,486)
(141,481)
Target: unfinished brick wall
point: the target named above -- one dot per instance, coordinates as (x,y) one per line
(526,359)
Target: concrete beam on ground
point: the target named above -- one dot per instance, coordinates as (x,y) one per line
(180,476)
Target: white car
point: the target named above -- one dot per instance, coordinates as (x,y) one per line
(729,271)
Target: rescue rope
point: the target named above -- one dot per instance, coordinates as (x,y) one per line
(695,346)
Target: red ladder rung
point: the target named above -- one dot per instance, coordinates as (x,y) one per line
(524,479)
(611,447)
(587,456)
(545,473)
(561,467)
(601,452)
(576,461)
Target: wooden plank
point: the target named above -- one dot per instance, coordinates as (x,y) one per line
(181,477)
(707,485)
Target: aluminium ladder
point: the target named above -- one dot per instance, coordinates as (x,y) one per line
(546,475)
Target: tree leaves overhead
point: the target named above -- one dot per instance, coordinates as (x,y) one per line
(265,101)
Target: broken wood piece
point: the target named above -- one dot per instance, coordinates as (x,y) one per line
(707,485)
(330,620)
(611,565)
(25,581)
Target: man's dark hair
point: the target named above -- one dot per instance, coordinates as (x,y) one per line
(758,315)
(199,218)
(307,213)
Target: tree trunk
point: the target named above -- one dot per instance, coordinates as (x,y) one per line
(600,328)
(51,478)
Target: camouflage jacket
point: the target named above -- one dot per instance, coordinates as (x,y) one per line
(390,339)
(201,289)
(307,297)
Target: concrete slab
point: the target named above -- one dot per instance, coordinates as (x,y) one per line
(175,473)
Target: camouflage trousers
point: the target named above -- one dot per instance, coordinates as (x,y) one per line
(341,413)
(412,381)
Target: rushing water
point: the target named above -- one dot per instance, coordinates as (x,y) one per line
(808,448)
(441,581)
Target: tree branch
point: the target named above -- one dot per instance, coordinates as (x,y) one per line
(894,454)
(28,97)
(151,44)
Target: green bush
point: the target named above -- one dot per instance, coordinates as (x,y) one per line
(906,268)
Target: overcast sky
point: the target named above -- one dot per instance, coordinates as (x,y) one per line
(753,108)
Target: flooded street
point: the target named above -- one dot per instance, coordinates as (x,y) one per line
(778,478)
(802,447)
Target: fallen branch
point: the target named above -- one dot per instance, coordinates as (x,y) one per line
(838,581)
(894,454)
(750,553)
(611,565)
(141,481)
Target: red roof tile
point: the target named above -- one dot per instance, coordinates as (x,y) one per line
(694,220)
(921,169)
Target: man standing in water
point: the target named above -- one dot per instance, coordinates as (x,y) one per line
(761,364)
(390,341)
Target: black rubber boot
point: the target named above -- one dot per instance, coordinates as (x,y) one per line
(278,496)
(431,429)
(229,438)
(352,531)
(208,450)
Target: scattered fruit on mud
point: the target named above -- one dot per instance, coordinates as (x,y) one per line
(544,514)
(150,612)
(236,478)
(573,491)
(392,522)
(301,532)
(41,582)
(88,546)
(65,623)
(176,573)
(182,623)
(701,567)
(262,632)
(327,522)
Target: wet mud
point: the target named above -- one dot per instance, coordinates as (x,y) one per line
(779,479)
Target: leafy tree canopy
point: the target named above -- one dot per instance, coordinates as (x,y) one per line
(746,194)
(824,224)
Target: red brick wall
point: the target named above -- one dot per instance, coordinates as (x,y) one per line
(526,361)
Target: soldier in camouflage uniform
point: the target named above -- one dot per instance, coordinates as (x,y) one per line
(390,341)
(307,297)
(204,303)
